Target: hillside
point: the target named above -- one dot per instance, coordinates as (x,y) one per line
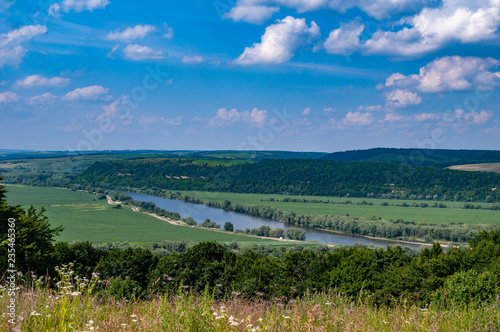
(299,177)
(418,157)
(489,167)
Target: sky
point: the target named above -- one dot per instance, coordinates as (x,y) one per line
(310,75)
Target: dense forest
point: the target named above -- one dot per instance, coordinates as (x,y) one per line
(418,157)
(298,177)
(453,278)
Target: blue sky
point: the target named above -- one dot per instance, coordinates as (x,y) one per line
(317,75)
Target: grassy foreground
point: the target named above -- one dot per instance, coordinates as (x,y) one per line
(72,307)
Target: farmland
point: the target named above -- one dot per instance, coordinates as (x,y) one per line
(453,213)
(85,218)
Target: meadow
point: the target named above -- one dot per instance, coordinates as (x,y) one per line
(73,307)
(86,218)
(453,213)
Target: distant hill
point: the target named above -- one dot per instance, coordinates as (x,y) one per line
(221,154)
(297,177)
(418,157)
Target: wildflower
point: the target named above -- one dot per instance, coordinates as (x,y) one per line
(123,325)
(286,317)
(133,315)
(134,320)
(75,293)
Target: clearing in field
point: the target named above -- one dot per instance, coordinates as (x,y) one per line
(489,167)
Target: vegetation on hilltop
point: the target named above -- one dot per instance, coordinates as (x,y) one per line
(299,177)
(418,157)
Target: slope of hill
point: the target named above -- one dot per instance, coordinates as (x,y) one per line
(299,177)
(418,157)
(490,167)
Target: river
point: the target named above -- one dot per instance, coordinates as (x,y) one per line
(200,212)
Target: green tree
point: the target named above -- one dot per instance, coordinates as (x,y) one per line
(229,227)
(33,240)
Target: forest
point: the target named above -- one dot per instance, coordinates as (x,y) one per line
(298,177)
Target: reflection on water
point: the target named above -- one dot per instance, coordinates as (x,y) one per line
(200,212)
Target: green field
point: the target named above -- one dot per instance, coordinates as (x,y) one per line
(454,213)
(85,218)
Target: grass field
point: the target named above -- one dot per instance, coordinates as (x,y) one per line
(454,213)
(489,167)
(85,218)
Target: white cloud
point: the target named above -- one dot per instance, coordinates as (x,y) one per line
(192,59)
(344,40)
(280,41)
(11,51)
(153,119)
(113,50)
(168,31)
(328,109)
(8,97)
(353,119)
(450,73)
(371,108)
(137,32)
(226,117)
(433,28)
(375,8)
(381,9)
(306,111)
(358,119)
(76,5)
(251,14)
(138,52)
(257,117)
(44,99)
(473,116)
(39,81)
(93,92)
(402,98)
(427,117)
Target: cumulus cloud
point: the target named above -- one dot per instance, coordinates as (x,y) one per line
(138,52)
(192,59)
(402,98)
(328,109)
(137,32)
(93,92)
(251,14)
(280,42)
(11,51)
(450,73)
(226,117)
(8,97)
(478,118)
(433,28)
(353,119)
(43,99)
(344,40)
(76,5)
(40,81)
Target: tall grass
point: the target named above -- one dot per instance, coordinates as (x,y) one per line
(73,305)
